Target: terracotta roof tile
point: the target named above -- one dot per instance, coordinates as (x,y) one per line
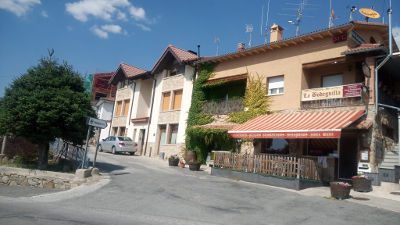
(131,71)
(364,48)
(183,55)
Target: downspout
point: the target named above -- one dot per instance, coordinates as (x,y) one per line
(385,59)
(133,99)
(151,114)
(112,115)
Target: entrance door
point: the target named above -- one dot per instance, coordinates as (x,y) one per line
(348,157)
(141,140)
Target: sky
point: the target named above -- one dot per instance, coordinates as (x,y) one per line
(97,35)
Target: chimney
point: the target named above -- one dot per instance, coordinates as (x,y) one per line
(241,47)
(276,33)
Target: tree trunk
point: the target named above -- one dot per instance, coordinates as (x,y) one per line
(43,156)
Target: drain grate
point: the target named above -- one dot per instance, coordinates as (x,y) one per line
(120,173)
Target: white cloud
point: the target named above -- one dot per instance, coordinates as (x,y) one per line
(99,32)
(121,16)
(137,13)
(112,28)
(18,7)
(105,9)
(102,9)
(396,34)
(104,30)
(143,27)
(44,14)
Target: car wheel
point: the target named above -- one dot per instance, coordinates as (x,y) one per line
(131,153)
(100,148)
(113,150)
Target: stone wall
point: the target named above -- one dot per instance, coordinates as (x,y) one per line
(38,178)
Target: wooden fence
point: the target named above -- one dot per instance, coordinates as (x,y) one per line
(275,165)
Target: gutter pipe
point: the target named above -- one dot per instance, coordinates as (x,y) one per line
(151,114)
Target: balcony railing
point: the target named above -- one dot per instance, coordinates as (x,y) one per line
(336,96)
(223,107)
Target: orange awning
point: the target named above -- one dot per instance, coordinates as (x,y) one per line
(297,125)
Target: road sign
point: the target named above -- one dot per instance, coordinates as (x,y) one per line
(97,123)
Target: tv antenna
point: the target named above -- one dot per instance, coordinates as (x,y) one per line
(262,27)
(249,29)
(217,41)
(353,9)
(299,14)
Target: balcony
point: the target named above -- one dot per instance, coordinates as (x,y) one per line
(223,106)
(336,96)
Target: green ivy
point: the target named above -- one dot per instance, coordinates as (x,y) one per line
(203,140)
(255,101)
(196,115)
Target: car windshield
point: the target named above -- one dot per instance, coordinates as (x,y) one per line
(124,139)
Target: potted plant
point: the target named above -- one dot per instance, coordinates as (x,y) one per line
(194,166)
(340,190)
(173,160)
(362,183)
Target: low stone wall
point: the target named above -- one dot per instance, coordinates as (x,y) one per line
(38,178)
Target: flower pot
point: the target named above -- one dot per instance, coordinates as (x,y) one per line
(340,190)
(194,166)
(173,161)
(362,184)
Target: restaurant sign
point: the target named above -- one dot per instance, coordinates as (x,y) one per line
(287,135)
(344,91)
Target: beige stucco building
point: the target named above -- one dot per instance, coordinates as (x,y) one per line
(330,70)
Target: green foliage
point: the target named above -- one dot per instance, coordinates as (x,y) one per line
(196,115)
(256,101)
(218,91)
(203,140)
(45,103)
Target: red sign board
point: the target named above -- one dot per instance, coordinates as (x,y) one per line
(352,90)
(339,38)
(289,135)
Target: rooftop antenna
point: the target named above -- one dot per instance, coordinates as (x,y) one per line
(266,23)
(249,29)
(299,16)
(331,14)
(353,9)
(217,41)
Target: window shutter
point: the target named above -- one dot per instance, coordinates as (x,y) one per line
(166,100)
(177,99)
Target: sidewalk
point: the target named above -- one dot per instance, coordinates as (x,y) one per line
(380,197)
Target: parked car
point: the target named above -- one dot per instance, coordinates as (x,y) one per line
(115,144)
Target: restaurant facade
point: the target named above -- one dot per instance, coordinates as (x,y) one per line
(322,99)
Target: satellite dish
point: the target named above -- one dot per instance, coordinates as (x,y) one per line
(370,13)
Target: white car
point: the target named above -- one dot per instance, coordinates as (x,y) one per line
(115,144)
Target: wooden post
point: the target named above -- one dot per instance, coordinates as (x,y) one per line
(3,146)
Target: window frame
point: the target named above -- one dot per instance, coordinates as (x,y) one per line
(269,92)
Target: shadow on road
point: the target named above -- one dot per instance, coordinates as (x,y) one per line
(108,167)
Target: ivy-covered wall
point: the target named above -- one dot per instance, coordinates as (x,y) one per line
(199,139)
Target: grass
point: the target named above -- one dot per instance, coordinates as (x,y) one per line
(32,164)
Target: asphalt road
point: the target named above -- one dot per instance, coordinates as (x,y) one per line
(141,191)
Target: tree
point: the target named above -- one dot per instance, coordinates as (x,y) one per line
(47,102)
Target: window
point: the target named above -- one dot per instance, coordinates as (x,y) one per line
(173,133)
(163,134)
(126,107)
(275,146)
(124,139)
(275,85)
(177,100)
(122,131)
(165,101)
(332,80)
(118,109)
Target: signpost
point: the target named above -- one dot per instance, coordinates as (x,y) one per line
(93,122)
